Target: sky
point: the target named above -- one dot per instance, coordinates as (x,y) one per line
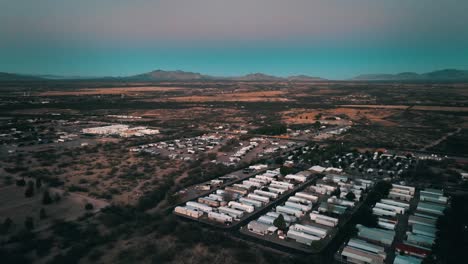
(335,39)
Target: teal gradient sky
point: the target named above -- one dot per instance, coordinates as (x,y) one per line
(335,39)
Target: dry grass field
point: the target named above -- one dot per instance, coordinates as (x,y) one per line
(112,90)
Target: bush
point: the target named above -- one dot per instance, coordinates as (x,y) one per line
(29,223)
(21,182)
(46,197)
(89,206)
(29,190)
(42,214)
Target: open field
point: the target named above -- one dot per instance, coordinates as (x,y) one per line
(141,187)
(261,96)
(113,90)
(415,107)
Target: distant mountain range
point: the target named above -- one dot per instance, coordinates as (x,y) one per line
(442,75)
(18,77)
(161,75)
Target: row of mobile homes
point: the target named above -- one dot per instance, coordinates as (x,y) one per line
(323,219)
(240,206)
(276,190)
(307,196)
(394,208)
(431,208)
(262,199)
(311,230)
(300,200)
(290,211)
(302,207)
(266,219)
(332,208)
(219,217)
(208,201)
(234,189)
(287,218)
(384,237)
(302,237)
(404,187)
(295,177)
(182,210)
(382,212)
(386,223)
(414,219)
(399,196)
(271,195)
(403,259)
(342,202)
(282,183)
(396,203)
(360,251)
(199,206)
(260,228)
(252,202)
(230,211)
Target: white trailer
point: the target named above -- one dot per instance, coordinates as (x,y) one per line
(403,187)
(400,196)
(262,177)
(290,211)
(275,190)
(266,194)
(240,206)
(265,219)
(243,186)
(301,237)
(216,197)
(319,190)
(304,208)
(277,186)
(287,184)
(218,217)
(232,212)
(386,225)
(307,196)
(323,219)
(252,183)
(403,191)
(287,218)
(199,206)
(382,212)
(396,209)
(209,201)
(261,181)
(262,199)
(299,178)
(296,199)
(311,230)
(251,202)
(396,203)
(188,212)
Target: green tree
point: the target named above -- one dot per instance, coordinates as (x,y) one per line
(350,196)
(42,214)
(89,206)
(46,199)
(280,223)
(57,197)
(29,223)
(38,183)
(29,190)
(6,225)
(20,182)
